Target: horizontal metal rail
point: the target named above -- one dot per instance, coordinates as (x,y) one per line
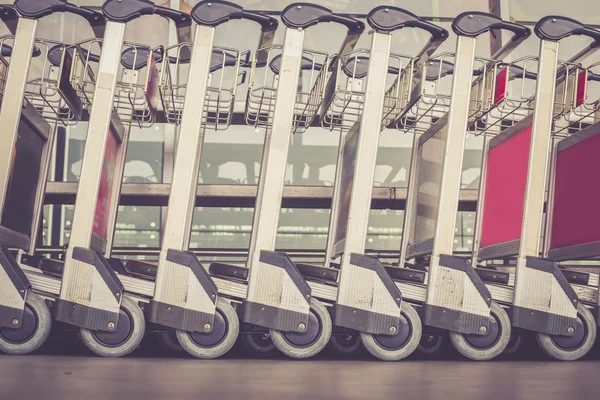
(311,197)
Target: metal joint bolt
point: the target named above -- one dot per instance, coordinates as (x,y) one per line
(299,7)
(111,326)
(118,294)
(302,326)
(209,4)
(553,19)
(570,330)
(207,327)
(393,330)
(15,322)
(483,329)
(470,15)
(386,10)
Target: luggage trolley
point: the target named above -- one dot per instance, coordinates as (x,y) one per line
(87,293)
(275,298)
(39,99)
(184,297)
(453,296)
(511,205)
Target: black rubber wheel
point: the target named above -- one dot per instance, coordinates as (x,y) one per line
(311,342)
(514,345)
(403,343)
(432,346)
(125,339)
(259,344)
(489,346)
(571,348)
(220,340)
(169,342)
(34,330)
(345,346)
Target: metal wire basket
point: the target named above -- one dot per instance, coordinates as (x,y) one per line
(224,78)
(48,88)
(137,91)
(264,78)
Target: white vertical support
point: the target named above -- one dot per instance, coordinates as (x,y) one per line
(10,112)
(410,210)
(533,206)
(277,143)
(366,157)
(443,241)
(95,148)
(180,209)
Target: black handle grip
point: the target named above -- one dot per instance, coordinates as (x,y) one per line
(304,15)
(180,18)
(388,19)
(267,23)
(213,13)
(555,28)
(593,77)
(354,26)
(127,10)
(37,9)
(474,23)
(6,51)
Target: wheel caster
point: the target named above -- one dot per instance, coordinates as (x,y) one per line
(125,339)
(488,346)
(571,348)
(220,340)
(169,342)
(345,346)
(432,346)
(312,341)
(402,344)
(514,345)
(259,344)
(34,330)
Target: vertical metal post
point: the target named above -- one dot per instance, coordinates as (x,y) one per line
(94,152)
(443,241)
(550,200)
(410,210)
(10,112)
(277,143)
(480,201)
(533,206)
(184,184)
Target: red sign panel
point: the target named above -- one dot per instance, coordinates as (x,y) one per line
(581,86)
(152,90)
(501,85)
(505,185)
(101,216)
(576,214)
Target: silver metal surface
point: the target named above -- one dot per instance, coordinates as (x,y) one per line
(80,282)
(14,93)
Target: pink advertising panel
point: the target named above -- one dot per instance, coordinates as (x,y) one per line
(505,185)
(101,216)
(576,214)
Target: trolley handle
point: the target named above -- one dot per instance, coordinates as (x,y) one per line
(215,12)
(36,9)
(304,15)
(593,77)
(555,28)
(386,19)
(475,23)
(125,11)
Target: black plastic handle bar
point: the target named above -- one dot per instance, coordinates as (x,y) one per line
(127,10)
(519,72)
(358,67)
(306,64)
(304,15)
(215,12)
(6,51)
(55,54)
(593,77)
(36,9)
(555,28)
(475,23)
(386,19)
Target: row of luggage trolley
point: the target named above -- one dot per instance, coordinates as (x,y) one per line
(536,114)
